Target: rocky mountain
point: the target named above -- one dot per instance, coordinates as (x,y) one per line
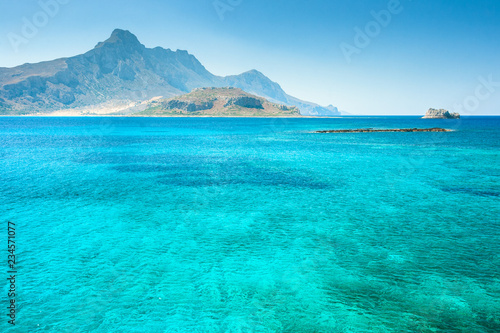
(218,102)
(121,74)
(440,114)
(255,82)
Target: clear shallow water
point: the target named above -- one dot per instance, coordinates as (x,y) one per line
(252,225)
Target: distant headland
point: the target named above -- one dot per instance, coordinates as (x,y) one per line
(218,102)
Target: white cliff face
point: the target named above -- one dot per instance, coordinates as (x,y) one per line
(440,114)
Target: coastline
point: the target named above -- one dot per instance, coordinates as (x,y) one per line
(169,116)
(235,116)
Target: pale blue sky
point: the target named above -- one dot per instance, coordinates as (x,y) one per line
(430,54)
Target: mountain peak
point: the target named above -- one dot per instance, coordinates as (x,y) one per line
(122,38)
(253,72)
(124,35)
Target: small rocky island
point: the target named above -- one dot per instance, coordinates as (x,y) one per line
(218,102)
(440,114)
(372,130)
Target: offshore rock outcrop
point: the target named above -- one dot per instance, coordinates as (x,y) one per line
(371,130)
(440,114)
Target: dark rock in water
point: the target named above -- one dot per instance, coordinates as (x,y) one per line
(440,114)
(371,130)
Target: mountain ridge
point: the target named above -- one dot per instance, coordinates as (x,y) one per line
(122,71)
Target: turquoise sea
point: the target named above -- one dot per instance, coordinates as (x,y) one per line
(251,225)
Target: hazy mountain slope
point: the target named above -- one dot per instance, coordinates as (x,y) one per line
(121,70)
(257,83)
